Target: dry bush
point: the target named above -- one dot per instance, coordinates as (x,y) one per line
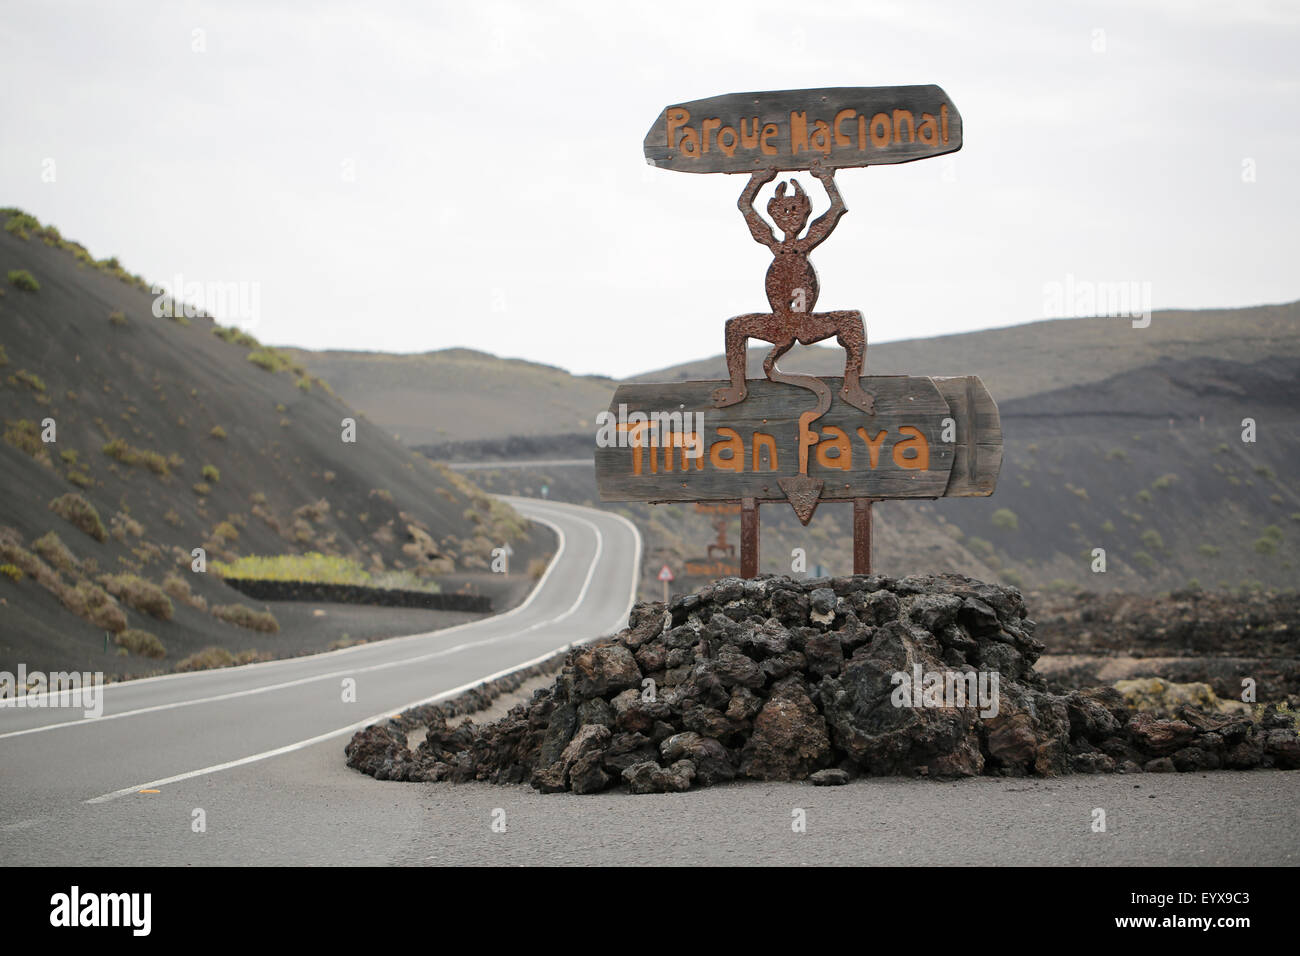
(245,616)
(206,659)
(50,547)
(80,513)
(140,594)
(141,643)
(178,588)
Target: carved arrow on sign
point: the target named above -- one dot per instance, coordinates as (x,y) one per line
(803,493)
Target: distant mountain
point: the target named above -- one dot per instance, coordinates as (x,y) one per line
(1027,359)
(132,439)
(421,399)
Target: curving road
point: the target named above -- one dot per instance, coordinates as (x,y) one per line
(256,753)
(65,777)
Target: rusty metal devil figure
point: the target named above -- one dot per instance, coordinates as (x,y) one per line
(792,290)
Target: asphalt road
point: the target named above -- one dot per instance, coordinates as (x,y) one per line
(262,765)
(62,774)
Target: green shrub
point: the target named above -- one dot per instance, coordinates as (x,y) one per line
(120,450)
(1006,519)
(1266,545)
(18,223)
(11,571)
(317,568)
(22,279)
(1144,559)
(141,644)
(1117,454)
(1144,496)
(245,616)
(217,432)
(235,337)
(25,435)
(202,488)
(210,473)
(117,317)
(1208,550)
(267,359)
(80,513)
(1164,482)
(1151,538)
(30,379)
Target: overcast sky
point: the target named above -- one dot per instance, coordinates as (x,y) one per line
(406,177)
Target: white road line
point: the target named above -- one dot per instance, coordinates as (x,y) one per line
(299,745)
(320,738)
(351,671)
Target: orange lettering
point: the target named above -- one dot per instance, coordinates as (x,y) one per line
(917,443)
(839,443)
(709,126)
(821,137)
(926,131)
(883,121)
(899,117)
(762,440)
(841,116)
(677,118)
(798,132)
(873,444)
(730,441)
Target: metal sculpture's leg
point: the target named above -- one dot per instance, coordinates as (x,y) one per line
(851,333)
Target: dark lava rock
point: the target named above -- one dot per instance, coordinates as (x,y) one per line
(830,777)
(779,679)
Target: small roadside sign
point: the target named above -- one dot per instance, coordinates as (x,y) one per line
(665,575)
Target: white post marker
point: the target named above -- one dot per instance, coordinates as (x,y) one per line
(665,575)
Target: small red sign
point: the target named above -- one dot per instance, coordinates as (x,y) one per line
(665,573)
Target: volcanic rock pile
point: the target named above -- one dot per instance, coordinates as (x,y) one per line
(777,679)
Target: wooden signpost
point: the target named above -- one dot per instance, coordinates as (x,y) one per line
(800,438)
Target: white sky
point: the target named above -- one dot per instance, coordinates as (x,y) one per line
(498,198)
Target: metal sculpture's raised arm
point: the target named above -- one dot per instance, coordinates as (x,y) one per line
(825,223)
(758,226)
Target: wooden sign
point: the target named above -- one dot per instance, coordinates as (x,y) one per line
(794,129)
(710,568)
(928,438)
(799,438)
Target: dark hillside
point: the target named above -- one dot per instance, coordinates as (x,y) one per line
(169,437)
